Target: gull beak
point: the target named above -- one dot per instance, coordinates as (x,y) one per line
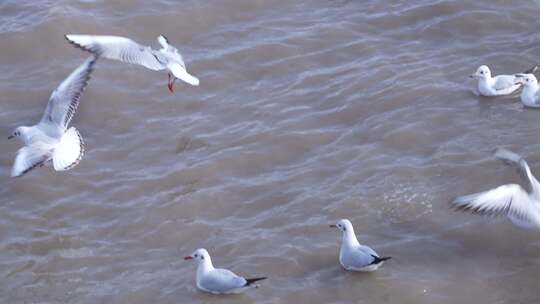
(473,76)
(11,136)
(188,258)
(333,226)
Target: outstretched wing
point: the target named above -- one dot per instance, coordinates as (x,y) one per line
(119,48)
(521,164)
(181,73)
(29,157)
(65,99)
(507,200)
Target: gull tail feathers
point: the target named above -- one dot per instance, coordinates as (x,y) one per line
(249,282)
(68,153)
(378,260)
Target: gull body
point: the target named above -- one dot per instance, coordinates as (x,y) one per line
(521,206)
(530,95)
(352,255)
(50,140)
(127,50)
(494,86)
(217,280)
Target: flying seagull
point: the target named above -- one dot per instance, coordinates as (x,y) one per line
(127,50)
(497,85)
(352,255)
(521,206)
(217,280)
(50,139)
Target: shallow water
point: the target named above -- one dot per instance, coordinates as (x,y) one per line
(308,111)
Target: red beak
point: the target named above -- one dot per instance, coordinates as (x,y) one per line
(188,258)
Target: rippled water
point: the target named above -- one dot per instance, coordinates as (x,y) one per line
(308,111)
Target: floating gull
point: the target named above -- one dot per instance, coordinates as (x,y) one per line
(530,95)
(50,139)
(498,85)
(216,280)
(520,206)
(352,255)
(127,50)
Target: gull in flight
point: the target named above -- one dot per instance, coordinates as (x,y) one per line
(521,206)
(127,50)
(352,255)
(530,95)
(50,139)
(498,85)
(217,280)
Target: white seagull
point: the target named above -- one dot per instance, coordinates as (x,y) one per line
(498,85)
(50,139)
(530,95)
(522,207)
(217,280)
(352,255)
(127,50)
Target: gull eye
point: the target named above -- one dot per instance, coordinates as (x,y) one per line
(202,258)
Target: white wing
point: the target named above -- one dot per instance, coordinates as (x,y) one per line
(509,200)
(120,48)
(181,73)
(504,82)
(29,157)
(65,99)
(222,281)
(521,164)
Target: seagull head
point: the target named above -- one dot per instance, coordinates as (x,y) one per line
(526,79)
(344,225)
(18,132)
(482,72)
(200,255)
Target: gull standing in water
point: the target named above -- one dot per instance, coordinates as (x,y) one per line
(498,85)
(127,50)
(50,139)
(352,255)
(217,280)
(520,206)
(530,96)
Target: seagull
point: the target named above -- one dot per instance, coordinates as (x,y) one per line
(127,50)
(530,95)
(352,255)
(50,139)
(217,280)
(498,85)
(521,206)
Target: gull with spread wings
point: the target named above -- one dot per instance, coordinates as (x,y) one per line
(521,206)
(50,139)
(127,50)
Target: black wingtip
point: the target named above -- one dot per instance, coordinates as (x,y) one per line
(531,70)
(253,280)
(378,260)
(96,51)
